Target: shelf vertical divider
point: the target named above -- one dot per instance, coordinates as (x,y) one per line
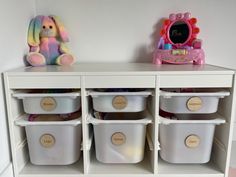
(231,127)
(85,128)
(156,122)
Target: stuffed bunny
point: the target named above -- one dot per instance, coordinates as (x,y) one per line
(47,38)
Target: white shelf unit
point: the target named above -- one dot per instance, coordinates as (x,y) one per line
(127,75)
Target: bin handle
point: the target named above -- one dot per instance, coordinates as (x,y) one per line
(145,93)
(95,121)
(72,95)
(23,122)
(220,94)
(167,121)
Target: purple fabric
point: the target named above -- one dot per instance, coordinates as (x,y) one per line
(50,49)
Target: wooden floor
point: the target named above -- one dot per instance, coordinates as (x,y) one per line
(232,172)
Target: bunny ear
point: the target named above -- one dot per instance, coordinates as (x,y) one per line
(34,30)
(30,38)
(61,29)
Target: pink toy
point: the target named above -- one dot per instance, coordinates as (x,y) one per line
(47,38)
(178,43)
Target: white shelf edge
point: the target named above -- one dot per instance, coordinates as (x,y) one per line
(23,121)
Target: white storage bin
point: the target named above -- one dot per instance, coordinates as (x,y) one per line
(53,142)
(119,101)
(188,140)
(50,103)
(120,141)
(191,102)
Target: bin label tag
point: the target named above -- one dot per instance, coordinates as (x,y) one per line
(194,103)
(47,140)
(48,104)
(192,141)
(118,138)
(119,102)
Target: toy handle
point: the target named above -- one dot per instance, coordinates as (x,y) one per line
(197,44)
(161,43)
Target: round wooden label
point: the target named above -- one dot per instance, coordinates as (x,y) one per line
(118,138)
(47,140)
(48,104)
(194,103)
(119,102)
(192,141)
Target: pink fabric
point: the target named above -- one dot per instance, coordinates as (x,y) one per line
(44,45)
(36,59)
(49,47)
(64,36)
(232,172)
(65,59)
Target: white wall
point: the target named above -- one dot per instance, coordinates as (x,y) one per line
(112,31)
(14,17)
(122,30)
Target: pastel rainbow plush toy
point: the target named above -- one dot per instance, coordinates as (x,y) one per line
(47,38)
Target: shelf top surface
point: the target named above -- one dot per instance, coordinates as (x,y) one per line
(120,68)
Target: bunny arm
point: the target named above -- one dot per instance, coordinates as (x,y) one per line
(34,48)
(63,48)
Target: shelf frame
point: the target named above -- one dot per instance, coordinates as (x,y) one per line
(121,75)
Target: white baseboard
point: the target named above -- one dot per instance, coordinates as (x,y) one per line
(8,172)
(233,155)
(234,136)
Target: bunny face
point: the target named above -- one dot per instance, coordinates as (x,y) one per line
(48,28)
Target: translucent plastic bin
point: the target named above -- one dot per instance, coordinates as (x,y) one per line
(53,142)
(119,101)
(191,102)
(189,139)
(120,141)
(50,103)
